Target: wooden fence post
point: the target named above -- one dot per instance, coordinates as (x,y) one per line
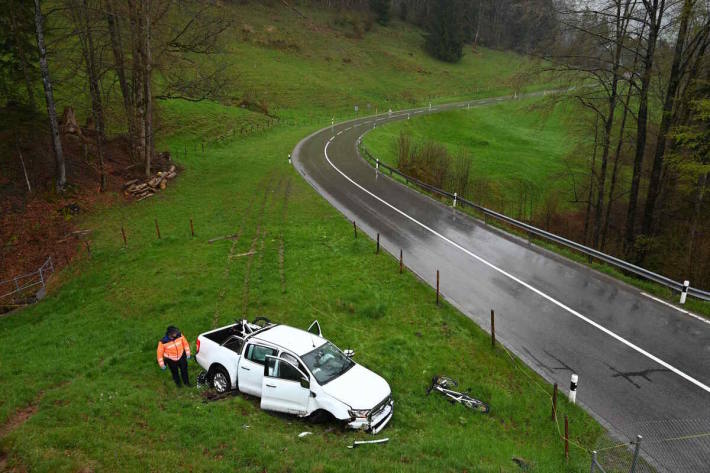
(355,228)
(554,402)
(192,228)
(157,228)
(493,329)
(437,287)
(378,244)
(123,232)
(401,261)
(566,437)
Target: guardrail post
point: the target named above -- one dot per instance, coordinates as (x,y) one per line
(684,291)
(493,329)
(637,450)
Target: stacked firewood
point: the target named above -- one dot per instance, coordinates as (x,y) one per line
(142,189)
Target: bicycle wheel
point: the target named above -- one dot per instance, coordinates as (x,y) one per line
(475,404)
(446,382)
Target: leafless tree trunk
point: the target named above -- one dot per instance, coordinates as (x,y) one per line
(61,176)
(654,17)
(654,187)
(700,193)
(147,95)
(592,172)
(119,66)
(22,57)
(82,19)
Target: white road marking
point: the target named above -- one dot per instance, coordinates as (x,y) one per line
(523,283)
(702,319)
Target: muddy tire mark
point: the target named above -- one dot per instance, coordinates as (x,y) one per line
(258,237)
(227,268)
(282,249)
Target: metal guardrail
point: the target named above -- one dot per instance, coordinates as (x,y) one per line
(619,263)
(21,284)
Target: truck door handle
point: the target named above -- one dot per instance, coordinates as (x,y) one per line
(245,368)
(270,386)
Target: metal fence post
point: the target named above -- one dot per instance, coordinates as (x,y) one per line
(17,287)
(637,450)
(41,276)
(594,461)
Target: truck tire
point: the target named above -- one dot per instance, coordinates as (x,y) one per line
(219,379)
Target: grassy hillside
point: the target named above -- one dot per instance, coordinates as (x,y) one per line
(81,390)
(529,141)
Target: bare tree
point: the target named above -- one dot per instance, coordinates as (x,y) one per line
(60,171)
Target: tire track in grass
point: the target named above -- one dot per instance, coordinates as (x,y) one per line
(256,241)
(282,248)
(15,421)
(235,240)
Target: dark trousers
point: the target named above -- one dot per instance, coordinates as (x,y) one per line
(174,365)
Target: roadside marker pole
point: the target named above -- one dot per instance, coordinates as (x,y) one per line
(157,228)
(455,197)
(377,165)
(554,402)
(437,287)
(493,329)
(684,291)
(573,388)
(637,450)
(289,158)
(123,233)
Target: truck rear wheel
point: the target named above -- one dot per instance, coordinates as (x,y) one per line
(220,380)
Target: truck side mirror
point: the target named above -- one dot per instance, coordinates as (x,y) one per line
(349,353)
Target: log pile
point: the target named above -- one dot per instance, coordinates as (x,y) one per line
(142,189)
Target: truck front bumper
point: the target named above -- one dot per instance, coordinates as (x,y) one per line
(377,420)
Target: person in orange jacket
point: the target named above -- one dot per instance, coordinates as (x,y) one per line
(174,350)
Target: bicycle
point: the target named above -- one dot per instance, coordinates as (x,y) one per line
(443,385)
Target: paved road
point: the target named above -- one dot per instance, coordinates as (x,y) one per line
(644,367)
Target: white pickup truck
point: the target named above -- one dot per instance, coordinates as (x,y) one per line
(295,371)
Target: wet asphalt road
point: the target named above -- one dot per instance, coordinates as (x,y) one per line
(644,367)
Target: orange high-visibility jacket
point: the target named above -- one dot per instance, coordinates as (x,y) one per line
(172,349)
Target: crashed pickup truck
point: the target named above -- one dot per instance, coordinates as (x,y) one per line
(296,372)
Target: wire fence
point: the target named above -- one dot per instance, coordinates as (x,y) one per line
(531,230)
(24,289)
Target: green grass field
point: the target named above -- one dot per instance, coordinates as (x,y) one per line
(528,141)
(81,390)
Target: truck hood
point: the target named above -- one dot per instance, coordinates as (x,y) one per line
(359,388)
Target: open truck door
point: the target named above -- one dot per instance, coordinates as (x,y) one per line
(284,388)
(314,328)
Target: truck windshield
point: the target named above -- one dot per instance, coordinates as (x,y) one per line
(327,363)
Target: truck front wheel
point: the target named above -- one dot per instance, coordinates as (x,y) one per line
(220,380)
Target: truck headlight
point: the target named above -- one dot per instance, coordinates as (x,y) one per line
(359,413)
